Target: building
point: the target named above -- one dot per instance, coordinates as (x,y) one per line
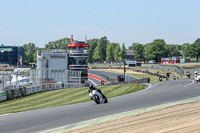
(55,62)
(12,55)
(170,60)
(78,58)
(130,55)
(51,65)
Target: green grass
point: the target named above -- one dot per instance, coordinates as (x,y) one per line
(152,77)
(63,97)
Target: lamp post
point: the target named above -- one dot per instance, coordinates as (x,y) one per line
(3,81)
(124,70)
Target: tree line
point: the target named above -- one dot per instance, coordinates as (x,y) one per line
(158,49)
(102,49)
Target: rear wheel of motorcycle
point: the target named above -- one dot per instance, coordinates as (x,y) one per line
(106,100)
(97,99)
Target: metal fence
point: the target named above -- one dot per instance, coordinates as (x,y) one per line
(23,78)
(174,68)
(4,77)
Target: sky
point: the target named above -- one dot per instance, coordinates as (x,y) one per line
(122,21)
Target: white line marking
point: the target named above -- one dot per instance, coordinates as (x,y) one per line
(156,84)
(189,84)
(148,86)
(5,115)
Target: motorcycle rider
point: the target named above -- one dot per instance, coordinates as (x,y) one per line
(91,88)
(188,74)
(196,73)
(160,78)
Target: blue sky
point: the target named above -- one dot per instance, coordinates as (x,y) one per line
(122,21)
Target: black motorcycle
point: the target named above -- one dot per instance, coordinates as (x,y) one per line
(188,74)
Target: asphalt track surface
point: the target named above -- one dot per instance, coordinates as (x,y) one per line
(46,119)
(111,75)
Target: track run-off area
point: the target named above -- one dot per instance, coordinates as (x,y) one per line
(52,118)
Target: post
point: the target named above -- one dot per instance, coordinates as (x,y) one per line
(3,81)
(10,79)
(124,70)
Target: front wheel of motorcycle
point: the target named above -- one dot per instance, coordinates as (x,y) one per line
(97,99)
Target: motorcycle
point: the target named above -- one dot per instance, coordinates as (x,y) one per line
(98,97)
(197,77)
(188,74)
(160,78)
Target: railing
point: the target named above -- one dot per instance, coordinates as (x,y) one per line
(24,91)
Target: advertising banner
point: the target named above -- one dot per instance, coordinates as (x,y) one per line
(16,93)
(76,51)
(78,45)
(53,86)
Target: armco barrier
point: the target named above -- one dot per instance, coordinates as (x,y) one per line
(34,89)
(39,88)
(53,86)
(3,96)
(28,91)
(24,91)
(58,86)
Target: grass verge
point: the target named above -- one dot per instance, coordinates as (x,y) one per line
(63,97)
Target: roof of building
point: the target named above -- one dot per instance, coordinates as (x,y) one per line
(130,52)
(2,48)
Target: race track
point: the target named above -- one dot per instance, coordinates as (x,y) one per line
(46,119)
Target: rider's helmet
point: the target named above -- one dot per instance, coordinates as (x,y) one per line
(91,86)
(195,72)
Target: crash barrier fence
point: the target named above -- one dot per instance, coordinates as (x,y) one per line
(101,75)
(11,79)
(113,80)
(144,80)
(174,68)
(21,91)
(165,68)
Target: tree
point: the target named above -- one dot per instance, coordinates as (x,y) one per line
(123,52)
(102,44)
(147,52)
(188,50)
(156,50)
(109,52)
(96,56)
(132,46)
(116,51)
(58,44)
(92,45)
(30,52)
(192,50)
(172,50)
(139,51)
(196,49)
